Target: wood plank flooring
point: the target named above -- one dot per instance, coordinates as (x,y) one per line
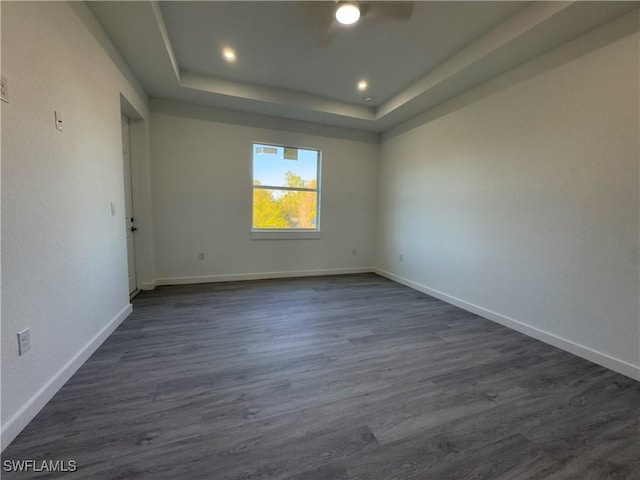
(331,378)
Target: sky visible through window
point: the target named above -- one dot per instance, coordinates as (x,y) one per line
(285,188)
(271,168)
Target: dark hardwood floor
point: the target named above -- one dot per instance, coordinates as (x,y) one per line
(332,378)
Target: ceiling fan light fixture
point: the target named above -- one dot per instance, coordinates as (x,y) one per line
(229,54)
(347,13)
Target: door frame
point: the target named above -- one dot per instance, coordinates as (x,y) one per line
(139,179)
(130,215)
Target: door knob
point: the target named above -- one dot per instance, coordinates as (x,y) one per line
(133,229)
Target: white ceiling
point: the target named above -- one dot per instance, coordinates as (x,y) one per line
(275,49)
(174,49)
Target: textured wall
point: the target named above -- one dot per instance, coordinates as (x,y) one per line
(525,203)
(202,184)
(63,254)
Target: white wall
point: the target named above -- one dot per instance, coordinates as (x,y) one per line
(523,205)
(202,190)
(63,254)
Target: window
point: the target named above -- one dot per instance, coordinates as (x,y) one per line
(285,188)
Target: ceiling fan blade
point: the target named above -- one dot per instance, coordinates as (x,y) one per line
(316,17)
(388,10)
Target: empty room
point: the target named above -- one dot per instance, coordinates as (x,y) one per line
(322,240)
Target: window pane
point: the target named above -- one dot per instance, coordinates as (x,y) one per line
(284,166)
(284,209)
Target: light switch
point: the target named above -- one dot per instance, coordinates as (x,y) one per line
(58,120)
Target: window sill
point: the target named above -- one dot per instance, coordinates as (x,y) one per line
(284,235)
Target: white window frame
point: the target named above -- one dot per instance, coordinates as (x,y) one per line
(283,233)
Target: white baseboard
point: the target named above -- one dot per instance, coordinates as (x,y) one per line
(260,276)
(147,285)
(615,364)
(21,419)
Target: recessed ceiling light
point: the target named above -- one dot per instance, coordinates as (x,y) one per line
(347,13)
(368,99)
(229,55)
(362,85)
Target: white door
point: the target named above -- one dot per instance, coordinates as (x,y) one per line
(128,204)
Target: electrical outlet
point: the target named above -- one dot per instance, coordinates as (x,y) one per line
(24,341)
(4,89)
(201,256)
(401,258)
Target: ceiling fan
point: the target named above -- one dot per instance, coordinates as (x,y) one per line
(324,19)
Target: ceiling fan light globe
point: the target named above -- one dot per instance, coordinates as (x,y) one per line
(347,13)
